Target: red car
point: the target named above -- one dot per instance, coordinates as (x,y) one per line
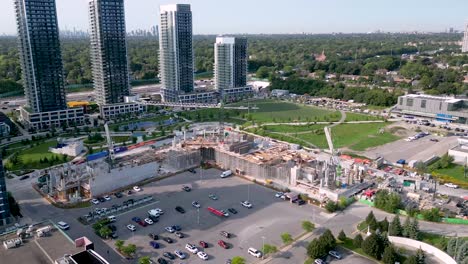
(142,223)
(203,244)
(223,244)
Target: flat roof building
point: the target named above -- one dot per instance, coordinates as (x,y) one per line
(175,50)
(444,109)
(465,39)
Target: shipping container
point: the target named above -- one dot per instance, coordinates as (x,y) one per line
(96,156)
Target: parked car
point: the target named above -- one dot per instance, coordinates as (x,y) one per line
(136,219)
(434,140)
(191,248)
(170,229)
(168,255)
(180,254)
(176,227)
(192,170)
(118,195)
(212,196)
(142,223)
(136,189)
(202,255)
(226,214)
(334,254)
(254,252)
(180,209)
(203,244)
(101,199)
(162,261)
(319,261)
(246,204)
(451,185)
(186,188)
(168,240)
(232,210)
(154,244)
(131,227)
(300,202)
(153,218)
(114,235)
(24,177)
(179,234)
(196,204)
(279,194)
(62,225)
(95,201)
(153,236)
(223,244)
(225,234)
(149,221)
(107,198)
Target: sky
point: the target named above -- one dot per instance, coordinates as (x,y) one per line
(276,16)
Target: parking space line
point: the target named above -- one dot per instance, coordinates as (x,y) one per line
(61,231)
(43,251)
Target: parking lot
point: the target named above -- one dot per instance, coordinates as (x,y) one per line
(265,222)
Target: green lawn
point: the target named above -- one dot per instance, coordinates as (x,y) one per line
(293,129)
(454,174)
(271,111)
(361,136)
(30,157)
(360,117)
(318,140)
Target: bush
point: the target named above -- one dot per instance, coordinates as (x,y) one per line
(390,256)
(373,246)
(268,249)
(342,235)
(286,238)
(432,215)
(238,260)
(389,202)
(308,226)
(331,206)
(357,241)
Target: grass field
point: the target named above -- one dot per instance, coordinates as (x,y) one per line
(453,174)
(293,129)
(360,117)
(30,157)
(360,136)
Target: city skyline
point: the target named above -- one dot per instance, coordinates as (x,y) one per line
(221,17)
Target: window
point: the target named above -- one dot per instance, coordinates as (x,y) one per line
(401,100)
(409,102)
(423,103)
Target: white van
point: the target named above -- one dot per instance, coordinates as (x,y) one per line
(226,174)
(254,252)
(112,218)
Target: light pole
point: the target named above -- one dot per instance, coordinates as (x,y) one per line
(263,247)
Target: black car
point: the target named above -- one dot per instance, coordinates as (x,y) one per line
(192,170)
(300,202)
(118,195)
(186,188)
(180,209)
(153,218)
(169,255)
(113,228)
(176,227)
(114,235)
(162,261)
(24,177)
(101,199)
(153,236)
(168,240)
(232,210)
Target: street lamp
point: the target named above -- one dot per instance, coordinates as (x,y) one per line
(263,247)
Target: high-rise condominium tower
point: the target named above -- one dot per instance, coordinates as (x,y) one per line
(109,51)
(230,63)
(175,50)
(40,55)
(465,39)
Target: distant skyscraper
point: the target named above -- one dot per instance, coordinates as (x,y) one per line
(465,39)
(109,51)
(4,206)
(230,63)
(40,55)
(175,50)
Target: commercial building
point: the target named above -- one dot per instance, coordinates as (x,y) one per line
(231,67)
(5,217)
(108,51)
(175,50)
(444,109)
(59,118)
(40,57)
(465,39)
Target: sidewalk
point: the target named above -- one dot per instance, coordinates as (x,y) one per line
(286,248)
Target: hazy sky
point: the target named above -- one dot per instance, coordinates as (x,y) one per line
(276,16)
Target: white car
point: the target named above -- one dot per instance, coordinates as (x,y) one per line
(196,204)
(180,254)
(191,248)
(254,252)
(451,185)
(62,225)
(334,254)
(136,188)
(155,212)
(95,201)
(279,194)
(148,221)
(202,255)
(107,198)
(246,204)
(170,229)
(226,214)
(131,227)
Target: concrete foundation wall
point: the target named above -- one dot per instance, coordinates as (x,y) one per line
(105,182)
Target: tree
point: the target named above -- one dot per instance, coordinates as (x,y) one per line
(395,228)
(389,202)
(420,256)
(119,244)
(452,246)
(383,225)
(357,241)
(144,260)
(414,230)
(342,235)
(370,217)
(389,256)
(407,227)
(238,260)
(373,246)
(105,232)
(462,252)
(268,249)
(15,209)
(328,238)
(286,238)
(129,250)
(308,226)
(373,224)
(432,215)
(316,249)
(411,260)
(331,206)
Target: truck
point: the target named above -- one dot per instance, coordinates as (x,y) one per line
(226,174)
